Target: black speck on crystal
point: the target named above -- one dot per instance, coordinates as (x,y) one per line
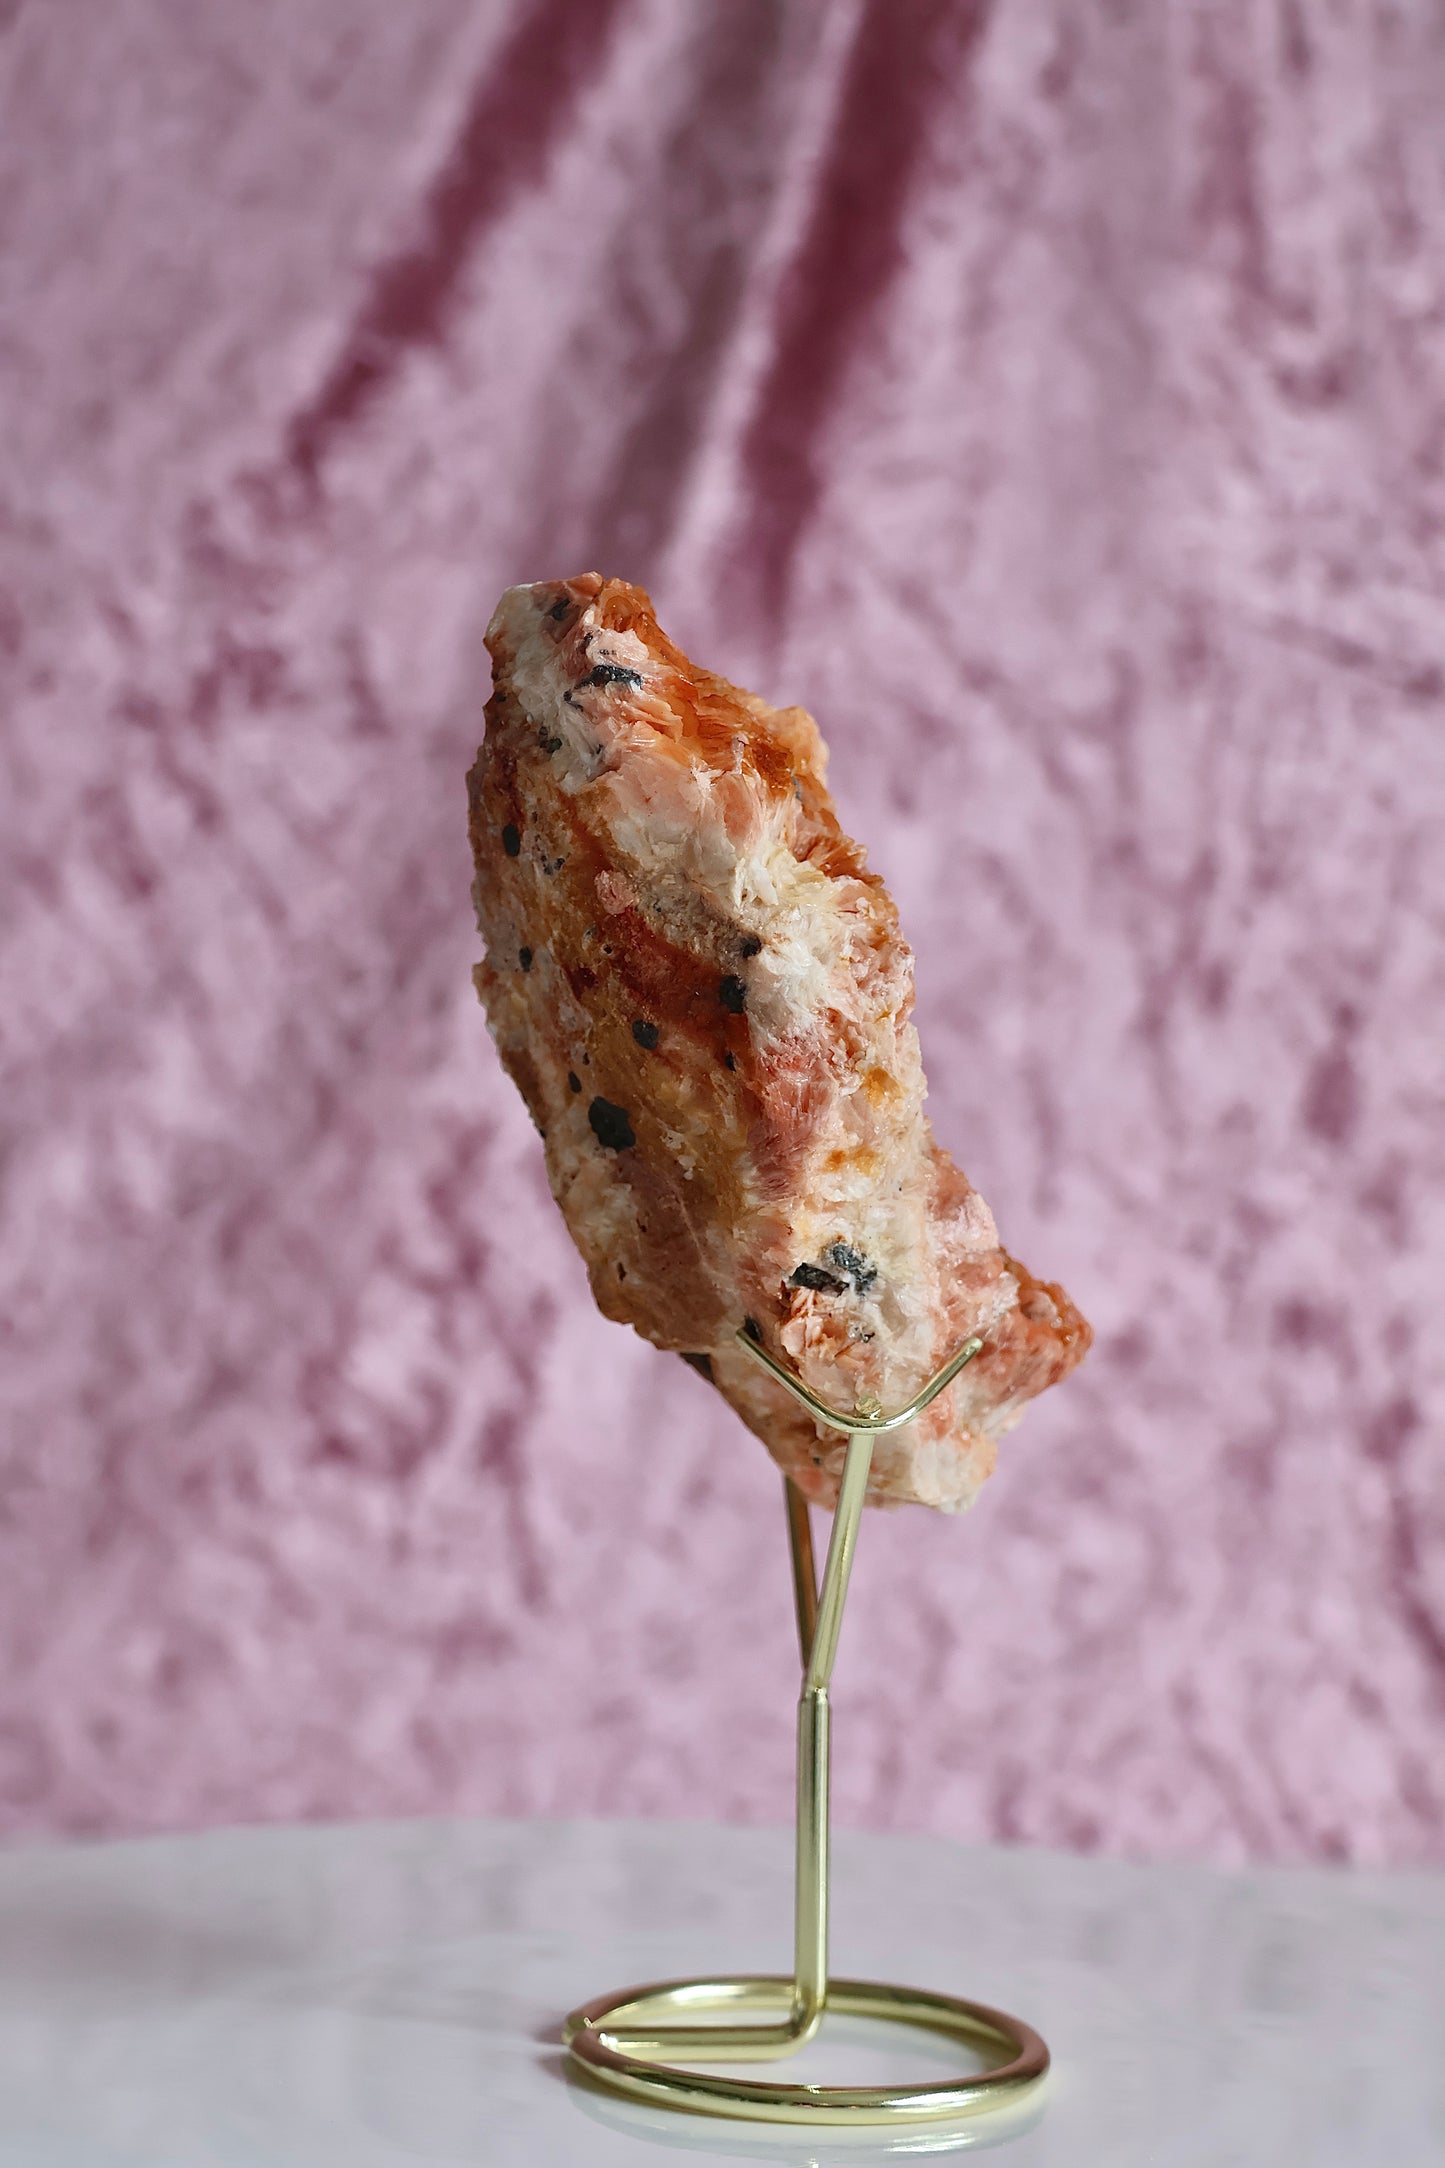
(854,1264)
(730,1061)
(750,944)
(574,1082)
(560,608)
(611,1126)
(702,1364)
(733,994)
(821,1282)
(644,1033)
(512,840)
(753,1330)
(610,673)
(524,958)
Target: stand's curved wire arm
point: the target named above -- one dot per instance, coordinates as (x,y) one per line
(867,1418)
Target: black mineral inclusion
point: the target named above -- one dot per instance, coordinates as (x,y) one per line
(610,673)
(855,1264)
(611,1126)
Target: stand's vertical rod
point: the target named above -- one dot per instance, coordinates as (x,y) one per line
(820,1618)
(819,1648)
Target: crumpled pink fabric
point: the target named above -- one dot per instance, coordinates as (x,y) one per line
(1049,398)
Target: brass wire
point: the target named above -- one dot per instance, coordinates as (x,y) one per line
(630,2041)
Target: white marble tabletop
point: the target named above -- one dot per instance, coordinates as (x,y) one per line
(380,1995)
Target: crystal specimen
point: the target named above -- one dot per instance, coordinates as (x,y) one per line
(703,996)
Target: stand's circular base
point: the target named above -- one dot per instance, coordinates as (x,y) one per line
(592,2037)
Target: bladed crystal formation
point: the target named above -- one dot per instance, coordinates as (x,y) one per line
(703,996)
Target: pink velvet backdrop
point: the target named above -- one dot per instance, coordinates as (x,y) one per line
(1051,399)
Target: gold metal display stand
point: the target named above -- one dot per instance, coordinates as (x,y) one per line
(631,2041)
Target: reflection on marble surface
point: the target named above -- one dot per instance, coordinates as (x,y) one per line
(384,1995)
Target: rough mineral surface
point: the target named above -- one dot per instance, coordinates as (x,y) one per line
(703,996)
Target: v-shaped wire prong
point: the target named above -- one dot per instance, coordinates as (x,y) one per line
(867,1419)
